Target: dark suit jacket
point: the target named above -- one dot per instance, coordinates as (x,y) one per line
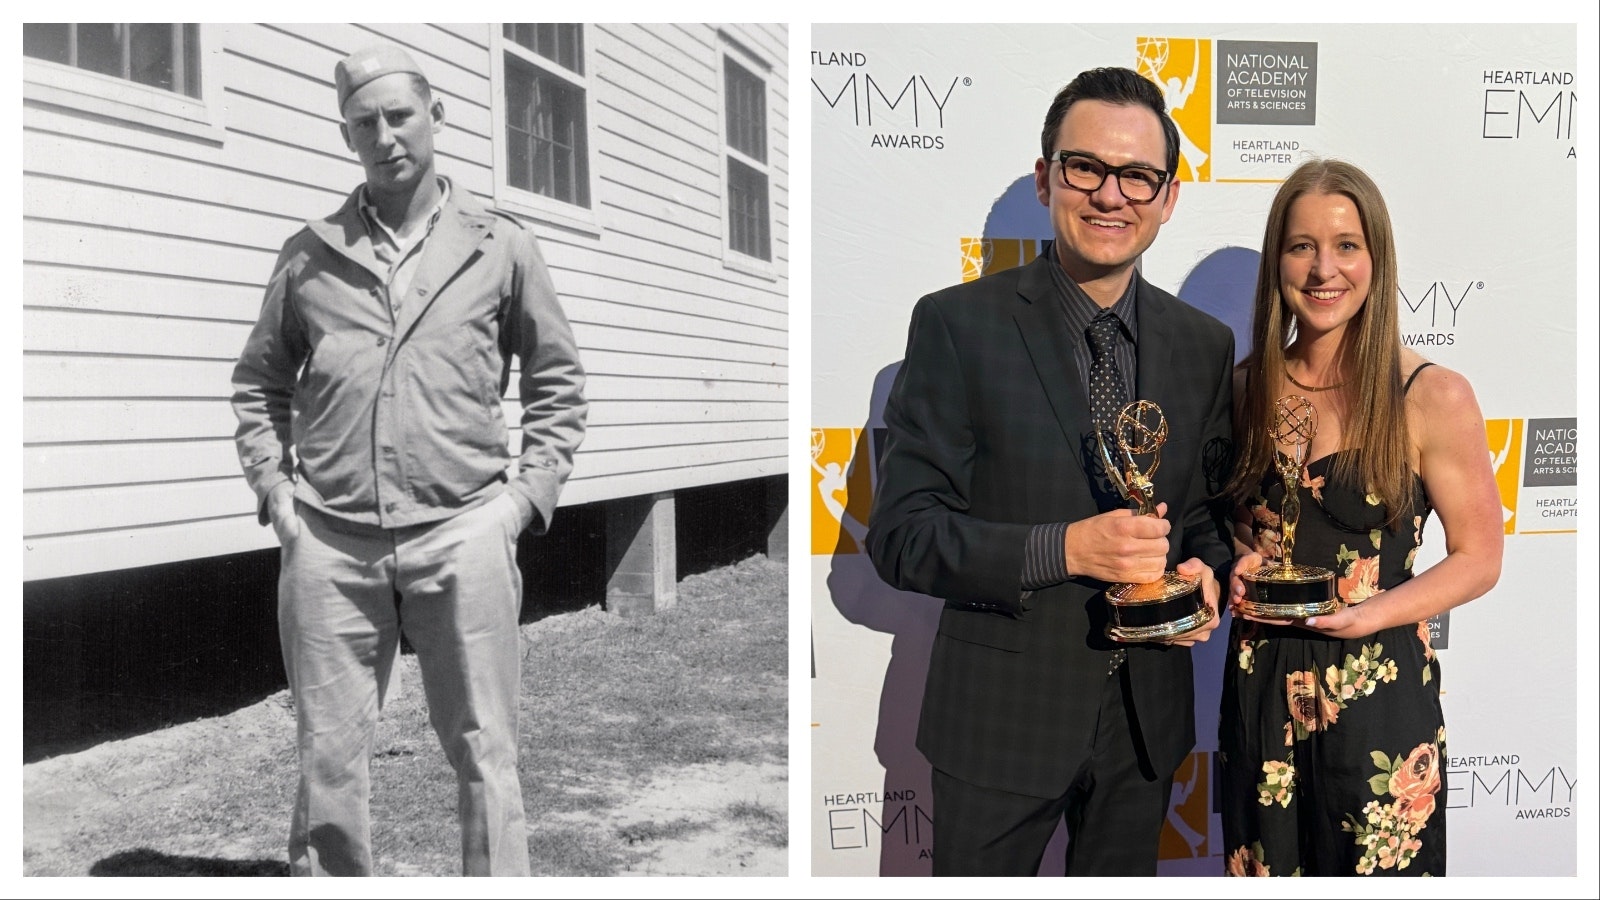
(987,423)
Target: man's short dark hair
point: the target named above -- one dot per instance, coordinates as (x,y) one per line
(1118,86)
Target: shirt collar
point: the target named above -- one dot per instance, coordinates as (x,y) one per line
(1082,308)
(376,227)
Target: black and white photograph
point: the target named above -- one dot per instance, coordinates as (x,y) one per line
(404,474)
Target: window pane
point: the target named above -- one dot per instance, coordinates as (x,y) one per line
(150,55)
(571,44)
(543,180)
(47,42)
(563,171)
(748,229)
(546,135)
(746,107)
(519,160)
(190,84)
(562,44)
(165,56)
(100,49)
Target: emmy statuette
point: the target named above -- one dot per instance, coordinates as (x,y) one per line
(1284,590)
(1171,606)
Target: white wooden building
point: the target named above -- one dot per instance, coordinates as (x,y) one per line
(164,165)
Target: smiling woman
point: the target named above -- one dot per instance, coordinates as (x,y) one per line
(1342,710)
(1326,272)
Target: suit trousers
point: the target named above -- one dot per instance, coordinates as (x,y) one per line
(345,594)
(1114,809)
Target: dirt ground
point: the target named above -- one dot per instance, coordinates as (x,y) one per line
(68,798)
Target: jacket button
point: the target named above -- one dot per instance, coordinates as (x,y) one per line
(422,292)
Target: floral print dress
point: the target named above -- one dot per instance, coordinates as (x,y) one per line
(1331,749)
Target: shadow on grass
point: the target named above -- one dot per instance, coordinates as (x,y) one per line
(146,862)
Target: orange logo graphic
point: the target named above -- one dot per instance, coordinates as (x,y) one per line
(1505,454)
(841,490)
(1187,832)
(981,256)
(1182,68)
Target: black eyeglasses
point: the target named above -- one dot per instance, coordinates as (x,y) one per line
(1082,172)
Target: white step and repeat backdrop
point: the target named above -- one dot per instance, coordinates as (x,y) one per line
(924,139)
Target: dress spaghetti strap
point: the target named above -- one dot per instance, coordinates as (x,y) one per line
(1407,388)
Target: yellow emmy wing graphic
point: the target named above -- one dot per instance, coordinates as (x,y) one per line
(981,256)
(1505,454)
(841,490)
(1182,68)
(1186,834)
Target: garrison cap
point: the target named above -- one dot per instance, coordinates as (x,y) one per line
(370,64)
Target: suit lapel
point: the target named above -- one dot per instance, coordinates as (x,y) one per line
(1156,345)
(1050,347)
(1043,326)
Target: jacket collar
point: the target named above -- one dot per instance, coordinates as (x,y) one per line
(1049,343)
(1037,288)
(345,231)
(463,224)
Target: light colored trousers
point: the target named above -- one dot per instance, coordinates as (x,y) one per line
(345,593)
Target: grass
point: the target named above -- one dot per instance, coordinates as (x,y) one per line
(770,824)
(611,707)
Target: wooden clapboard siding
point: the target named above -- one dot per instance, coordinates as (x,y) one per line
(127,548)
(145,253)
(70,421)
(70,287)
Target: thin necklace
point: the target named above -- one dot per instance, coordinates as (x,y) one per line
(1307,387)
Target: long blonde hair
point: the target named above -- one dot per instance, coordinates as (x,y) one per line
(1372,400)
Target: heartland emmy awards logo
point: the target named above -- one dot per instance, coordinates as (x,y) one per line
(903,109)
(984,256)
(1433,309)
(1187,831)
(867,820)
(1536,105)
(841,491)
(1182,68)
(1511,786)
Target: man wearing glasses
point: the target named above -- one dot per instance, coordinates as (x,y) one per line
(370,428)
(991,500)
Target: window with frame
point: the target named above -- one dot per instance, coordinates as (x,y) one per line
(165,56)
(546,111)
(745,129)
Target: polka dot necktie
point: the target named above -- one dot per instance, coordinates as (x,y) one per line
(1107,396)
(1106,399)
